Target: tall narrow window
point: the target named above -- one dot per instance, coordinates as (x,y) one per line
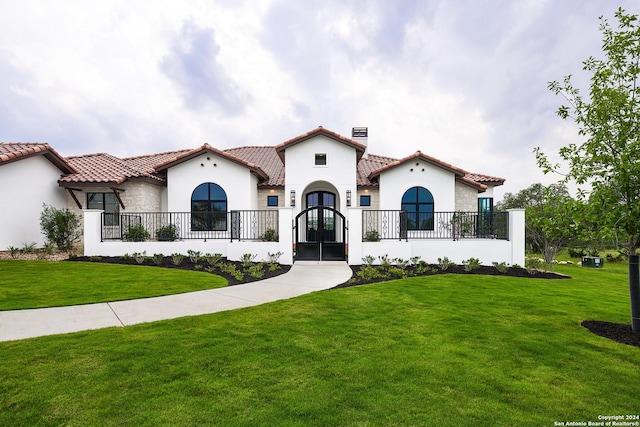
(108,203)
(485,217)
(209,208)
(418,203)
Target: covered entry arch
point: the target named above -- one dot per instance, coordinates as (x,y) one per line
(320,234)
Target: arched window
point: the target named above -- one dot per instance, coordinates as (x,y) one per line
(208,208)
(418,202)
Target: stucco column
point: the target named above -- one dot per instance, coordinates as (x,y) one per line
(92,231)
(516,235)
(285,235)
(354,216)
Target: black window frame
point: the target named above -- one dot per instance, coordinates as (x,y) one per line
(420,213)
(213,217)
(366,197)
(272,201)
(111,208)
(321,159)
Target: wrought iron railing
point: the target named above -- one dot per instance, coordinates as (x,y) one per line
(170,226)
(402,225)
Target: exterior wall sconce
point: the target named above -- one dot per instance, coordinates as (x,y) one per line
(293,198)
(348,197)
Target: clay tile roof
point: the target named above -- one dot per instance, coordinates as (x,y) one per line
(268,160)
(13,151)
(418,155)
(103,168)
(148,162)
(484,179)
(255,169)
(280,148)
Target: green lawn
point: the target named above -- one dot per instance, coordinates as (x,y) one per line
(444,350)
(35,284)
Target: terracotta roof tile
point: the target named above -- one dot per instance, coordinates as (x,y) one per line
(150,161)
(268,160)
(484,179)
(103,168)
(280,148)
(255,169)
(13,151)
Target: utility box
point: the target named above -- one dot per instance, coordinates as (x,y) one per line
(592,261)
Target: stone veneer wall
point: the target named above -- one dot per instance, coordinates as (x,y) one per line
(375,199)
(137,197)
(466,198)
(262,198)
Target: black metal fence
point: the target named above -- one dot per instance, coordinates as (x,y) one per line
(171,226)
(402,225)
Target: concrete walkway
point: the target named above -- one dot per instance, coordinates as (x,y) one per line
(304,277)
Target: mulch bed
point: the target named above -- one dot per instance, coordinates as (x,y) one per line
(187,264)
(483,270)
(618,332)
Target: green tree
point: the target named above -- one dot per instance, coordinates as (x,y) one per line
(550,213)
(609,158)
(60,227)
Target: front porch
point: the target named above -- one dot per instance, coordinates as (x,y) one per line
(497,236)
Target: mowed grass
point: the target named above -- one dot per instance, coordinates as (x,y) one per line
(445,350)
(36,284)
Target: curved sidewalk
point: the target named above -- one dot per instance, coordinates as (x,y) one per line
(304,277)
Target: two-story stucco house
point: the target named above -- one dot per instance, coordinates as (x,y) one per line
(319,196)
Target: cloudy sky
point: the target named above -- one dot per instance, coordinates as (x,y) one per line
(464,81)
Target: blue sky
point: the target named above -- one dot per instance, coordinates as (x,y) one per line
(464,81)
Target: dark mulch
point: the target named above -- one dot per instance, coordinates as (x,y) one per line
(483,270)
(187,264)
(618,332)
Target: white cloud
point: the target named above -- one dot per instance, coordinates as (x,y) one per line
(462,81)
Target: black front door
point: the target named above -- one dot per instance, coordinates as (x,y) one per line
(320,234)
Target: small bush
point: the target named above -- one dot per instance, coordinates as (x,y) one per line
(385,262)
(212,259)
(256,271)
(194,256)
(368,272)
(157,259)
(28,248)
(136,233)
(444,263)
(423,268)
(270,235)
(95,258)
(139,257)
(372,236)
(502,267)
(247,259)
(167,233)
(273,258)
(471,264)
(369,260)
(13,251)
(177,259)
(60,227)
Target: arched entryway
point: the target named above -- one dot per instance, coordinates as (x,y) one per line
(320,234)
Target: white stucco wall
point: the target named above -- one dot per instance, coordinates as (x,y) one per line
(441,184)
(24,186)
(303,175)
(236,180)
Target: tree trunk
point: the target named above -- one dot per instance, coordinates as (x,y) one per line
(634,290)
